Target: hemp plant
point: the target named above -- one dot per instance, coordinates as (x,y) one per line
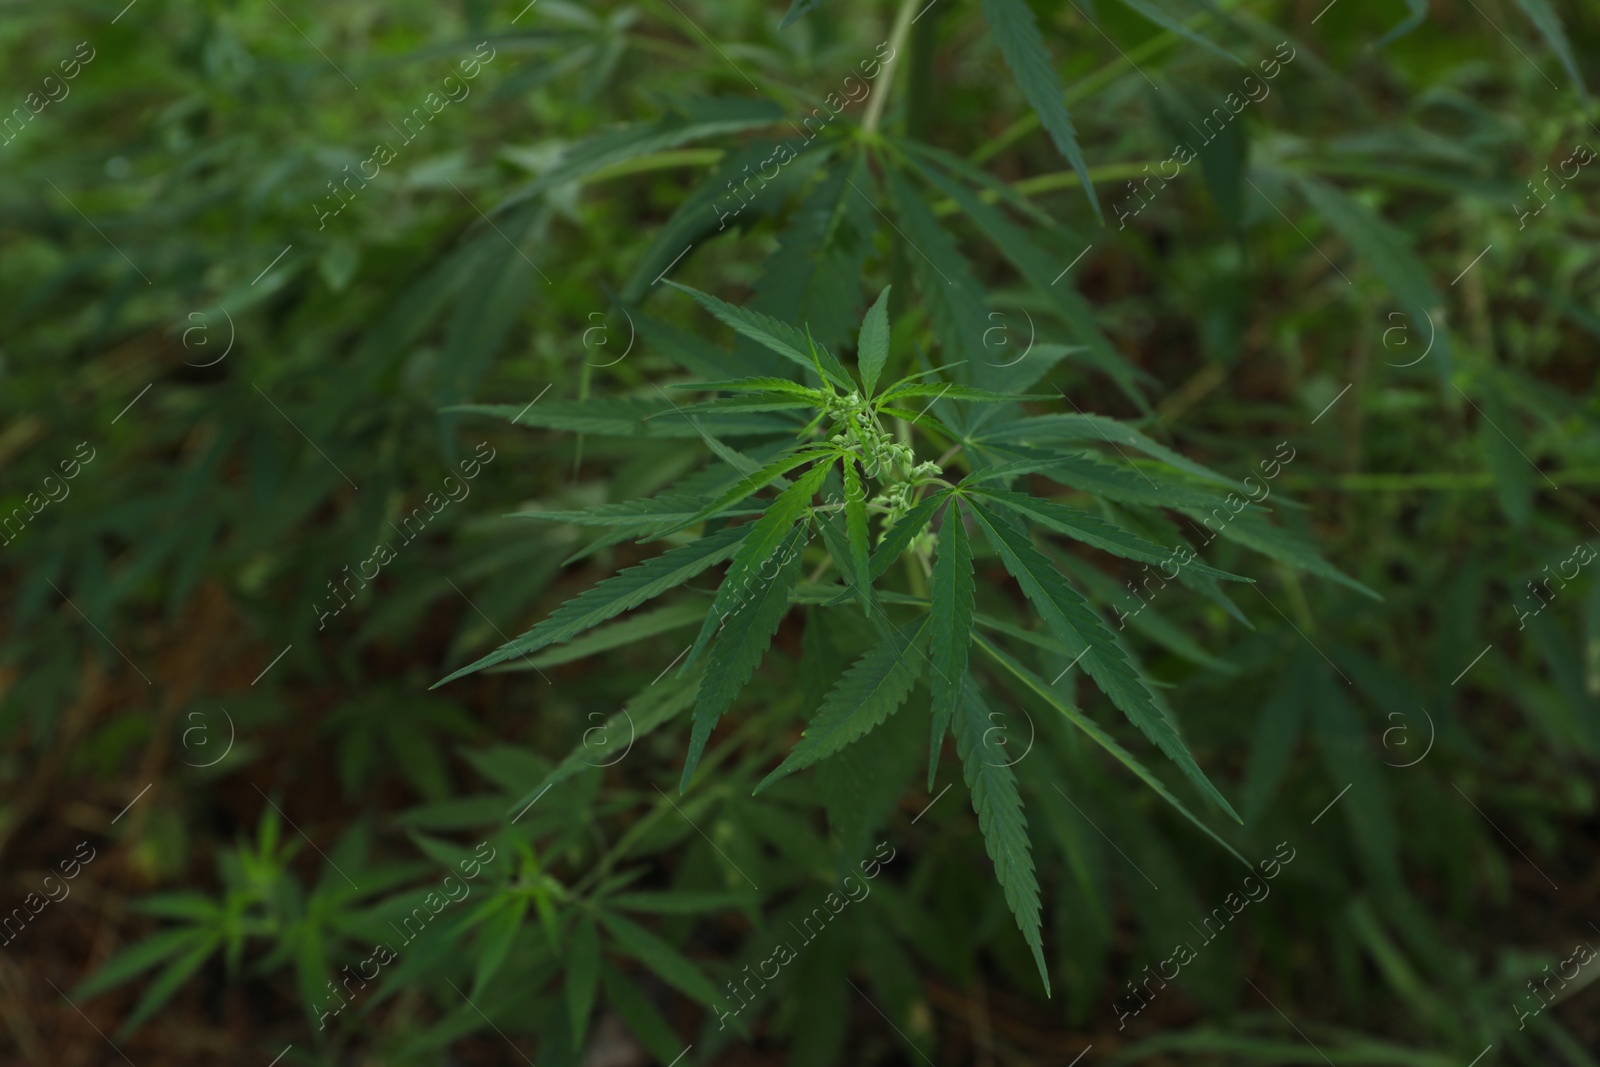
(855,469)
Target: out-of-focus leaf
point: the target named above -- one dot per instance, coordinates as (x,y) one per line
(870,691)
(993,786)
(1017,34)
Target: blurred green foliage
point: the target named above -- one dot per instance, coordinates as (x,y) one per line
(1386,265)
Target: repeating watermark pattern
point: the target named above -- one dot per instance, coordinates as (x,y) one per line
(603,745)
(1581,156)
(196,737)
(786,152)
(1403,730)
(599,335)
(383,553)
(1004,338)
(1184,954)
(1270,469)
(33,104)
(1582,956)
(33,905)
(1583,555)
(1474,263)
(383,154)
(832,905)
(432,905)
(1183,555)
(1184,153)
(997,737)
(1399,336)
(203,329)
(54,489)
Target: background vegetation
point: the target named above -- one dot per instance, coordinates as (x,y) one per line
(1384,269)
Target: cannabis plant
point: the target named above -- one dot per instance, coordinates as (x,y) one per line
(853,546)
(909,481)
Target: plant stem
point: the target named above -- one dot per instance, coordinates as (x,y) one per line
(897,41)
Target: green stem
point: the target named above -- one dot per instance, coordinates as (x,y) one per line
(897,41)
(1046,183)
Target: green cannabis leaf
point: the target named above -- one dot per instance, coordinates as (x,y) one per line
(854,471)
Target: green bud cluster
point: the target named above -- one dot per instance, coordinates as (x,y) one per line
(884,458)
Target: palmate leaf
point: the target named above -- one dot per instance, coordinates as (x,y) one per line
(643,1019)
(700,488)
(1093,530)
(1341,737)
(694,354)
(1085,635)
(871,690)
(682,903)
(691,122)
(192,945)
(1017,35)
(619,593)
(837,539)
(712,207)
(1387,253)
(624,417)
(773,335)
(140,957)
(748,485)
(1416,12)
(993,786)
(995,189)
(872,347)
(1024,372)
(798,9)
(901,534)
(1146,620)
(1158,527)
(758,385)
(924,421)
(1503,454)
(666,962)
(1150,10)
(1071,429)
(659,510)
(1048,693)
(894,542)
(1041,268)
(1087,474)
(583,977)
(1253,531)
(862,784)
(487,307)
(742,641)
(814,275)
(950,391)
(951,594)
(1278,729)
(723,404)
(655,705)
(766,535)
(1544,17)
(169,981)
(498,925)
(956,302)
